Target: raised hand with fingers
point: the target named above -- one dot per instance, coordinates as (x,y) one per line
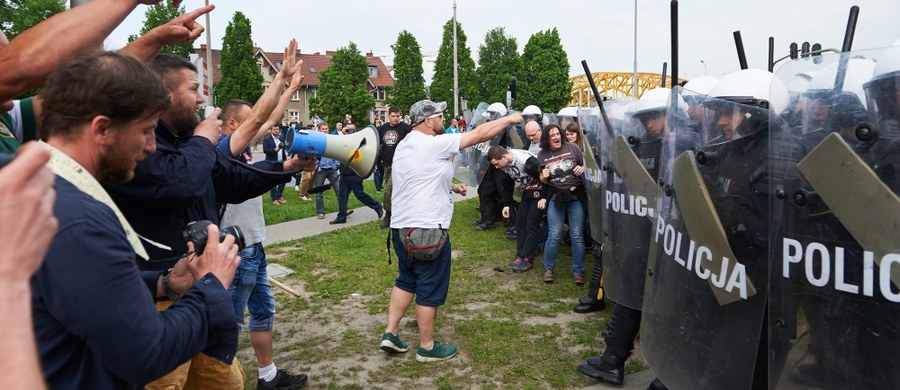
(290,64)
(183,29)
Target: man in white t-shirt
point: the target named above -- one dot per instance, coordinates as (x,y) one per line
(422,176)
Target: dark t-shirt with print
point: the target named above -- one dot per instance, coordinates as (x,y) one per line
(390,137)
(561,164)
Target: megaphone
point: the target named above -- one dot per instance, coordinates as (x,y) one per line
(358,151)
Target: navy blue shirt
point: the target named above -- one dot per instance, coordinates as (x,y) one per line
(95,322)
(184,181)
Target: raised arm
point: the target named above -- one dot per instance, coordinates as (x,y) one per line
(36,53)
(282,103)
(488,130)
(263,108)
(182,29)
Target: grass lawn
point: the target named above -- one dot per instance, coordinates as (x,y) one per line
(513,331)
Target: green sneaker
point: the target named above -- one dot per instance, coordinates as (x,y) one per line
(391,343)
(437,353)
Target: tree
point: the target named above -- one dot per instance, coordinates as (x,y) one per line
(498,62)
(409,84)
(442,84)
(241,77)
(20,15)
(344,87)
(545,73)
(158,15)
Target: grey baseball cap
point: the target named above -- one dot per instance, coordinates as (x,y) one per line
(423,109)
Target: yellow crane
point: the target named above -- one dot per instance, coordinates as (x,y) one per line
(614,85)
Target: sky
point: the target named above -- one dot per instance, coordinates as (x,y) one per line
(600,31)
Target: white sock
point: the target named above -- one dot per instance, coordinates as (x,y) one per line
(268,373)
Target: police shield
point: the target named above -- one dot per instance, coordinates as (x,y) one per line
(593,175)
(549,119)
(629,156)
(835,291)
(476,163)
(704,297)
(468,167)
(516,135)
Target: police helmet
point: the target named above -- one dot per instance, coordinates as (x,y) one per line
(751,94)
(568,111)
(697,89)
(497,108)
(753,88)
(532,111)
(859,71)
(655,100)
(882,89)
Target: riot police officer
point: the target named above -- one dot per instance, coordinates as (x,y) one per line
(495,189)
(628,230)
(705,297)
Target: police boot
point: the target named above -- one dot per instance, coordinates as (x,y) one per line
(606,368)
(595,299)
(590,306)
(657,385)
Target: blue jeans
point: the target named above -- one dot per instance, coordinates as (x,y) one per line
(250,289)
(556,215)
(378,177)
(334,178)
(276,192)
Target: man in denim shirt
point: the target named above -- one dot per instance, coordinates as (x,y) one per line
(325,169)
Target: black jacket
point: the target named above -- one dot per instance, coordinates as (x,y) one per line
(180,183)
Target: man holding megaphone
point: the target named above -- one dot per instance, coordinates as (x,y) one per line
(422,176)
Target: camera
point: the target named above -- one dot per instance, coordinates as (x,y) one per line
(196,232)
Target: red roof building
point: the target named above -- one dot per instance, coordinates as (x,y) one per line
(298,109)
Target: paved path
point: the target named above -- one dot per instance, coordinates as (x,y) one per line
(311,226)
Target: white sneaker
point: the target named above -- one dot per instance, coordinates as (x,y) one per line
(297,188)
(304,198)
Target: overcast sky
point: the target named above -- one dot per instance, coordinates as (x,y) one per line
(599,31)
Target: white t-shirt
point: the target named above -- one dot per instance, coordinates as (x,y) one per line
(516,168)
(421,174)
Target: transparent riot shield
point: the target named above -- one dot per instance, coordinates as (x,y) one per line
(476,156)
(630,160)
(467,166)
(704,296)
(549,119)
(834,311)
(516,134)
(593,175)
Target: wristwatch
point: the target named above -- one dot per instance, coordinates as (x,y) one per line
(167,288)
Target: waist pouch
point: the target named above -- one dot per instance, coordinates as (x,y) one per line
(423,244)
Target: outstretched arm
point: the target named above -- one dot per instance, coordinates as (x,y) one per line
(34,54)
(487,130)
(263,108)
(279,110)
(182,29)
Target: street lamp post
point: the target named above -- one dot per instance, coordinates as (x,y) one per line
(635,82)
(455,67)
(704,67)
